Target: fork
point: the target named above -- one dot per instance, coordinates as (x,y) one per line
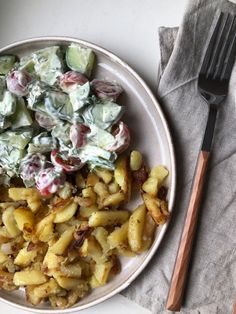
(213,82)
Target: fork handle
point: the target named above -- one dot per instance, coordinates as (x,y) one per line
(174,300)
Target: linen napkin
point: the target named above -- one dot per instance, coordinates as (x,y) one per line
(212,278)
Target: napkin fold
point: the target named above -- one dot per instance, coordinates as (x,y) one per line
(212,278)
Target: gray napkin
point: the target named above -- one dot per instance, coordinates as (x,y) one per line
(212,278)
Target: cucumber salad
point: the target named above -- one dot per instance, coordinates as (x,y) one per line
(54,119)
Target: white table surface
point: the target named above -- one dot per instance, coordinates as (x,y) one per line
(126,27)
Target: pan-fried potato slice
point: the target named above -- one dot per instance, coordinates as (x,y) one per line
(136,160)
(150,186)
(69,283)
(114,199)
(71,270)
(105,174)
(101,234)
(52,261)
(66,213)
(148,233)
(9,222)
(44,228)
(159,172)
(3,257)
(79,180)
(108,218)
(86,212)
(119,236)
(32,196)
(135,230)
(4,235)
(24,257)
(124,251)
(93,282)
(101,272)
(23,217)
(92,179)
(65,192)
(89,193)
(29,277)
(122,175)
(62,243)
(101,190)
(91,248)
(35,294)
(158,209)
(6,280)
(113,187)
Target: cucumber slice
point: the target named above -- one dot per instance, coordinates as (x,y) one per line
(61,132)
(2,87)
(21,117)
(42,143)
(79,95)
(6,63)
(8,104)
(37,92)
(100,137)
(27,64)
(80,59)
(18,139)
(103,114)
(10,157)
(89,152)
(58,105)
(4,123)
(48,64)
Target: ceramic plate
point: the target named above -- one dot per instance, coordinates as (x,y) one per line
(150,135)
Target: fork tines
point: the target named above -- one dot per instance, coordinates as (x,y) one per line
(220,53)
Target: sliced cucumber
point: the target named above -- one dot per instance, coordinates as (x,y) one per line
(103,115)
(79,95)
(42,143)
(37,92)
(18,139)
(80,59)
(10,156)
(4,123)
(6,63)
(48,64)
(58,105)
(61,132)
(21,117)
(2,87)
(100,137)
(8,104)
(89,152)
(27,64)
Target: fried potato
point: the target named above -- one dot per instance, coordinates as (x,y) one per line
(119,236)
(23,217)
(3,257)
(24,257)
(86,212)
(32,196)
(79,180)
(91,248)
(136,160)
(158,209)
(44,228)
(92,179)
(69,283)
(9,222)
(122,175)
(108,218)
(93,282)
(136,226)
(105,174)
(52,261)
(113,187)
(101,235)
(114,199)
(148,233)
(62,243)
(89,193)
(159,172)
(71,270)
(101,272)
(65,213)
(150,186)
(35,294)
(29,277)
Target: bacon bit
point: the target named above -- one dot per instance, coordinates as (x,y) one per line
(140,176)
(82,234)
(162,193)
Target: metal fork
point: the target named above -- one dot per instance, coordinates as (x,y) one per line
(213,85)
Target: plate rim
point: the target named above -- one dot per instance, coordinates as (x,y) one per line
(153,250)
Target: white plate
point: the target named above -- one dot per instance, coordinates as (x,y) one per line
(150,135)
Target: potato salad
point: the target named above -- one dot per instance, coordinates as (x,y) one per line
(66,178)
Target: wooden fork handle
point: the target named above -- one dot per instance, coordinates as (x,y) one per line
(174,300)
